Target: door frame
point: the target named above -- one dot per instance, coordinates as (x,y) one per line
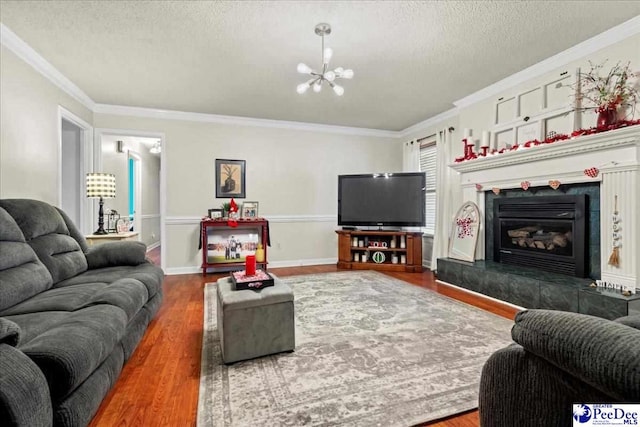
(87,214)
(137,193)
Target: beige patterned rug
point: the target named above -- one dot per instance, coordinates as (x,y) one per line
(370,351)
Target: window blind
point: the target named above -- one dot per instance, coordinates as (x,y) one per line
(428,165)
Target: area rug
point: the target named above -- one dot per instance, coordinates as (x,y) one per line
(370,351)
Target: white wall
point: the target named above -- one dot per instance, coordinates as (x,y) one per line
(29,129)
(291,173)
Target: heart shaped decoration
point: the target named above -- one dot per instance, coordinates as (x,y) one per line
(478,187)
(495,190)
(525,185)
(554,183)
(592,172)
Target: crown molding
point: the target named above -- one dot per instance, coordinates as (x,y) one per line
(122,110)
(432,121)
(25,52)
(574,53)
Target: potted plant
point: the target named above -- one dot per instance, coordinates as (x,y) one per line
(225,209)
(610,94)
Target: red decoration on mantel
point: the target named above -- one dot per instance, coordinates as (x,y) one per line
(495,190)
(478,187)
(233,214)
(592,172)
(555,184)
(551,140)
(525,185)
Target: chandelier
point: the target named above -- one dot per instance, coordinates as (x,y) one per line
(325,75)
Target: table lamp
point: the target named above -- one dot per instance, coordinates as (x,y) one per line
(103,186)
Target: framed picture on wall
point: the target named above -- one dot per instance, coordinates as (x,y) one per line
(230,179)
(250,210)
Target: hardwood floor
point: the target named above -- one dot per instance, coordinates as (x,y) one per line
(159,384)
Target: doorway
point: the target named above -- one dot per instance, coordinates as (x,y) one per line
(135,158)
(75,152)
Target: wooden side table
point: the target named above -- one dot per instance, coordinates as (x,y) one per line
(96,239)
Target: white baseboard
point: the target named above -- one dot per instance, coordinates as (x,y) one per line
(273,264)
(182,270)
(153,246)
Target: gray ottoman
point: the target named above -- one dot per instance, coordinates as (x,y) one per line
(255,323)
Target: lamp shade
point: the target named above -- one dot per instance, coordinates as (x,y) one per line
(101,185)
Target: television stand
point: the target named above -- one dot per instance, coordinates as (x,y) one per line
(380,250)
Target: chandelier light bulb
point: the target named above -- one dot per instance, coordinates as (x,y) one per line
(317,87)
(302,88)
(304,68)
(328,53)
(339,71)
(330,76)
(339,90)
(347,74)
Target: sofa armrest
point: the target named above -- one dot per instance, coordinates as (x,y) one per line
(116,253)
(24,393)
(633,321)
(600,352)
(9,332)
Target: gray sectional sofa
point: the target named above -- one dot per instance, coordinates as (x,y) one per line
(560,359)
(70,315)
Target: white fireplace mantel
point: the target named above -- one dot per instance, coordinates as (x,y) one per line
(617,156)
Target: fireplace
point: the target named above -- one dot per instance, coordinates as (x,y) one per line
(548,232)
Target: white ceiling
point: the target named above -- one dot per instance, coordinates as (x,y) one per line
(411,59)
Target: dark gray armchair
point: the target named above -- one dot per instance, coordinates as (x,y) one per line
(559,359)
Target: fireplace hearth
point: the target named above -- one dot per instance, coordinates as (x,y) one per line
(549,233)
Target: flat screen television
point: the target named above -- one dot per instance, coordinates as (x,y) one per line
(382,199)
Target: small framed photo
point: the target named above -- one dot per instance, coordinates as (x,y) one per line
(230,179)
(250,210)
(215,213)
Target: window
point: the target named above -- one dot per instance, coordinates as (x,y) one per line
(428,166)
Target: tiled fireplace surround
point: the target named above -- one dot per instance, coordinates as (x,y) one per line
(617,156)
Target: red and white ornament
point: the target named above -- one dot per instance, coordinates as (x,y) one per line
(592,172)
(525,185)
(495,190)
(554,183)
(478,187)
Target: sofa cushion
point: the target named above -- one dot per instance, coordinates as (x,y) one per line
(22,275)
(46,231)
(71,346)
(116,253)
(149,275)
(128,294)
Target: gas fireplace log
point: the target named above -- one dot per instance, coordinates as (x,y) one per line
(522,232)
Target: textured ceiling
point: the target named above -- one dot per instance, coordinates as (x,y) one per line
(411,59)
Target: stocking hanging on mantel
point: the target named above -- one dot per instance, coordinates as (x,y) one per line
(495,190)
(525,185)
(555,184)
